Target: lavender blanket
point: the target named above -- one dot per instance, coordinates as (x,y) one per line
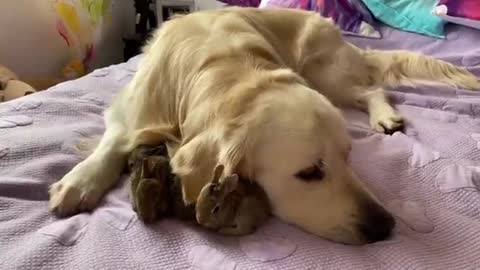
(429,177)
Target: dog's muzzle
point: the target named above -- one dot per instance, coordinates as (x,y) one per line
(377,224)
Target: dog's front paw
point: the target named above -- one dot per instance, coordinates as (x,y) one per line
(75,192)
(386,122)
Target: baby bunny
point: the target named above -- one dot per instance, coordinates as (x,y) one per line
(149,188)
(142,151)
(154,191)
(231,206)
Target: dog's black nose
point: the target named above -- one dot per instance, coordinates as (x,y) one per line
(377,224)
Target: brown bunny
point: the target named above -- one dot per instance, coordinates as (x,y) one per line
(149,188)
(142,151)
(155,192)
(231,206)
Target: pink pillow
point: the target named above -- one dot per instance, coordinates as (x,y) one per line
(465,12)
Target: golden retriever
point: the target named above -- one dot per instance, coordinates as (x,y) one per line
(253,89)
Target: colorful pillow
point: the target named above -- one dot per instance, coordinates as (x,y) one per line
(351,16)
(408,15)
(242,3)
(465,12)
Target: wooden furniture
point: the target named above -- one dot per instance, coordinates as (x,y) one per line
(145,22)
(149,15)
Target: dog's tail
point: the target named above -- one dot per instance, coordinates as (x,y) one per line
(406,68)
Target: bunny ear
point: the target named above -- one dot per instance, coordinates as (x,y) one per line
(230,183)
(144,168)
(217,173)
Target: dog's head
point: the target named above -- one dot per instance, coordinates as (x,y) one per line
(300,158)
(294,143)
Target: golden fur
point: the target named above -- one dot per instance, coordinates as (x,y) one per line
(252,89)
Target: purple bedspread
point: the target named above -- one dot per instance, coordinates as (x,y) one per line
(429,177)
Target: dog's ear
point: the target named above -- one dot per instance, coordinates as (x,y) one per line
(193,163)
(153,135)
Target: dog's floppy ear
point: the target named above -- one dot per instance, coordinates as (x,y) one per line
(153,135)
(193,163)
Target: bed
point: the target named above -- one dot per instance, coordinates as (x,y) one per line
(428,177)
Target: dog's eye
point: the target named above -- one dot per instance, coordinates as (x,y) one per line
(313,173)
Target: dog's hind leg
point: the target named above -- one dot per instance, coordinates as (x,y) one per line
(83,187)
(406,68)
(403,67)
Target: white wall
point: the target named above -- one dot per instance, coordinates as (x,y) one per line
(31,46)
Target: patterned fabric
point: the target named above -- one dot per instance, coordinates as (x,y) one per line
(350,15)
(465,12)
(428,177)
(242,3)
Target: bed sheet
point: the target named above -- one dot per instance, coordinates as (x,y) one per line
(428,177)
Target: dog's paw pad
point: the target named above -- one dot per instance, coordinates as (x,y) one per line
(265,249)
(413,214)
(67,231)
(455,177)
(15,120)
(422,155)
(216,259)
(386,123)
(446,117)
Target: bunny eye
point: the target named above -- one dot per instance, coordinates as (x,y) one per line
(215,209)
(212,188)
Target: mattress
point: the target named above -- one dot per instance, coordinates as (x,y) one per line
(428,177)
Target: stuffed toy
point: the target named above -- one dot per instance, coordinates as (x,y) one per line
(11,87)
